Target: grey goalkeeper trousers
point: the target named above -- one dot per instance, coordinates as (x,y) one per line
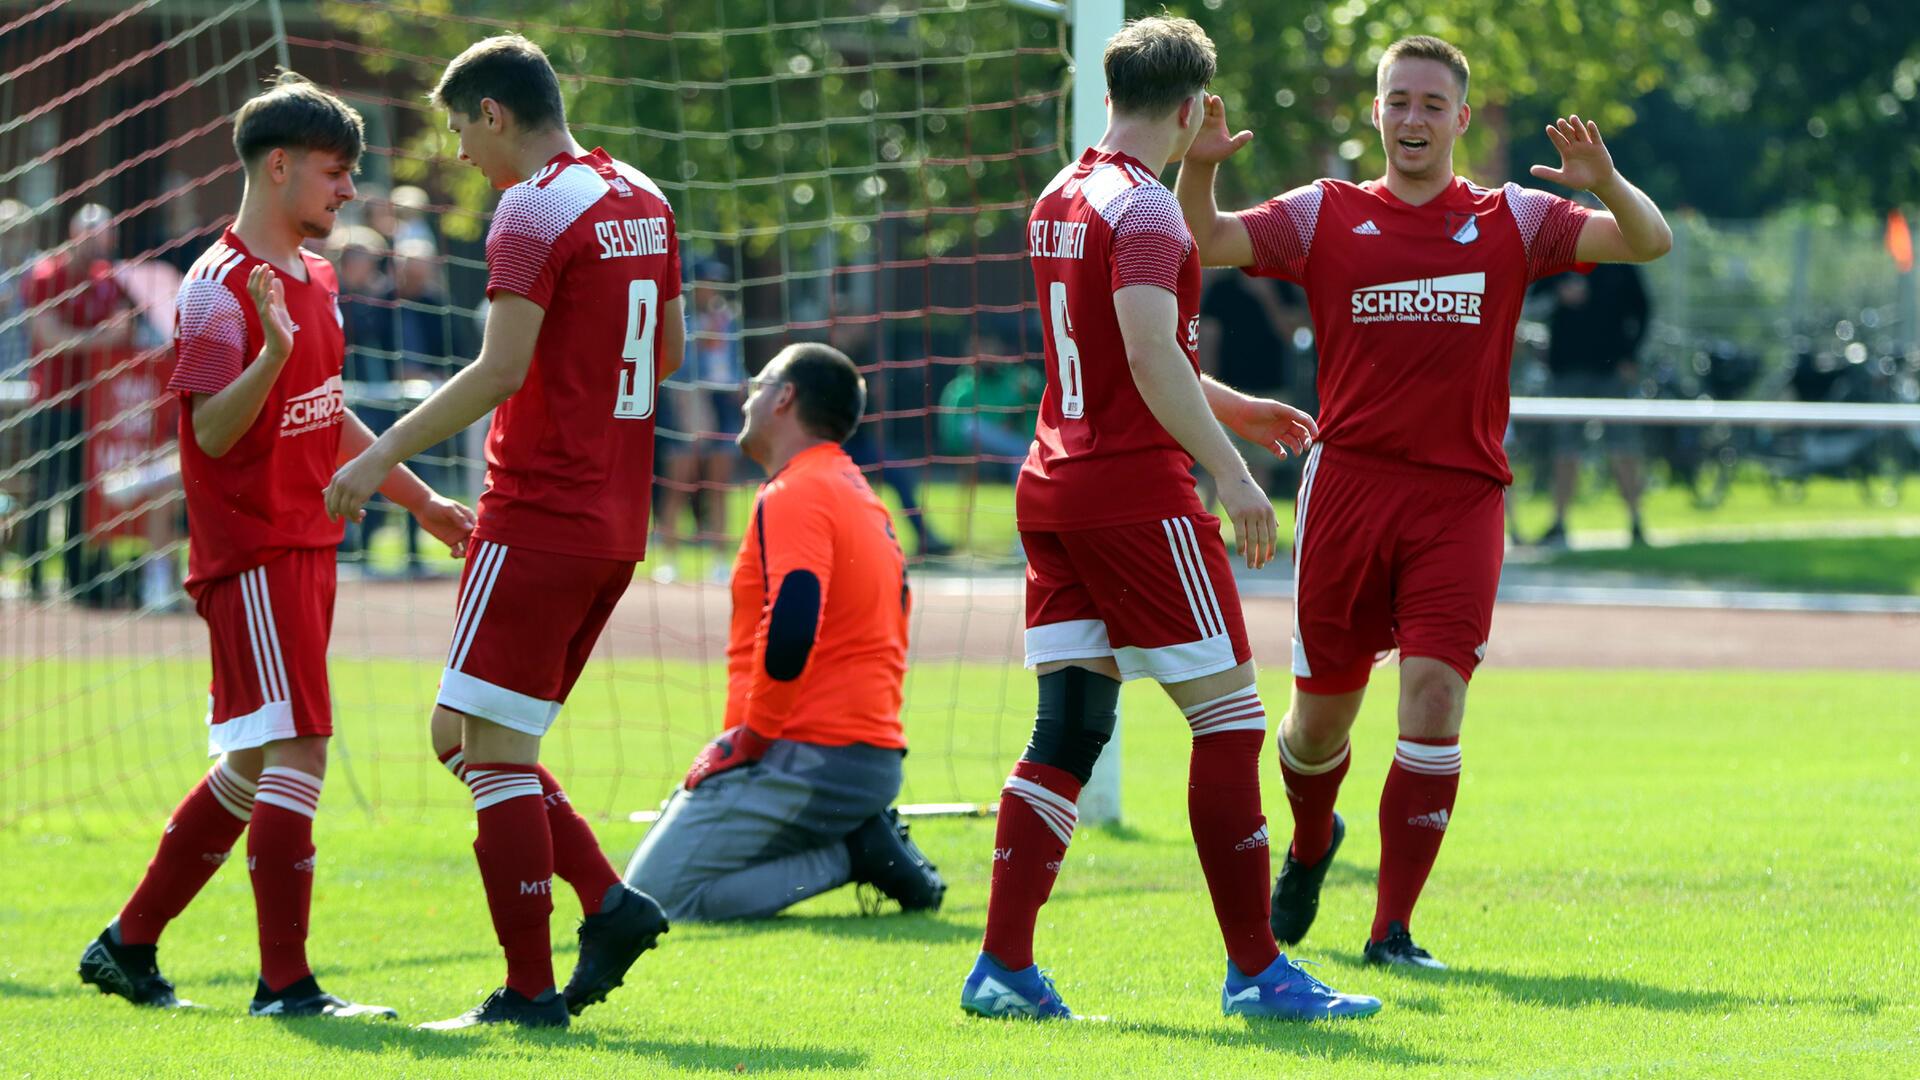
(753,840)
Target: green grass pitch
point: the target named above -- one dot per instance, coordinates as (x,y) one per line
(1675,874)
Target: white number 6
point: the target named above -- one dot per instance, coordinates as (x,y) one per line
(1073,397)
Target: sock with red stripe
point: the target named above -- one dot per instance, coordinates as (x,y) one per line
(1229,829)
(1037,816)
(1312,788)
(515,853)
(199,837)
(280,858)
(1415,807)
(577,857)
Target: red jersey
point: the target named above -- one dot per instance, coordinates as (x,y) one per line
(1099,457)
(570,454)
(1414,308)
(263,497)
(86,297)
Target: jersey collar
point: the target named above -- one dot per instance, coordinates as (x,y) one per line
(1445,199)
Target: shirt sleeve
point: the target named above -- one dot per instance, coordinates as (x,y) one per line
(1150,240)
(210,344)
(1549,228)
(1282,233)
(670,284)
(795,530)
(520,243)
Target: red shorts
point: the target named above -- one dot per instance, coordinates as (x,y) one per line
(269,628)
(1390,555)
(526,623)
(1157,596)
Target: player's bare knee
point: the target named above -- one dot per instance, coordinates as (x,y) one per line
(1075,718)
(307,753)
(1433,699)
(445,729)
(246,763)
(490,742)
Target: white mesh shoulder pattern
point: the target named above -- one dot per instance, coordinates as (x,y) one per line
(530,217)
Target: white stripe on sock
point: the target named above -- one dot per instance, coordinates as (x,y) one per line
(491,787)
(1304,769)
(1238,711)
(1431,760)
(231,790)
(290,789)
(1053,809)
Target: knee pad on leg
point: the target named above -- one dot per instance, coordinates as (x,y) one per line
(1075,719)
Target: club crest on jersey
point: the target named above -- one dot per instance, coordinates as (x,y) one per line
(317,408)
(1452,299)
(1464,228)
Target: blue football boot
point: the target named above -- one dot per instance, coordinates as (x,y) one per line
(993,991)
(1286,992)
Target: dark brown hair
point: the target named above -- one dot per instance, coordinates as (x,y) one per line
(293,113)
(1154,64)
(827,389)
(512,71)
(1423,47)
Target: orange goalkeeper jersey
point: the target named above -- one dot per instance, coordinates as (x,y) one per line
(817,648)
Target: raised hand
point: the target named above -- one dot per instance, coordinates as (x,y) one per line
(1584,160)
(1213,145)
(270,300)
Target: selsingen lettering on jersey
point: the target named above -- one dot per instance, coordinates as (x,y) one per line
(1057,239)
(1452,299)
(630,238)
(319,407)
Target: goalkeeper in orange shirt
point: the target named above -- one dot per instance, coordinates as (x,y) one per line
(792,799)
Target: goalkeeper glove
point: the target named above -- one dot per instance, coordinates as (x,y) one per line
(733,748)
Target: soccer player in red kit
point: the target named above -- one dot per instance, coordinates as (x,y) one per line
(1415,283)
(1127,574)
(259,349)
(583,272)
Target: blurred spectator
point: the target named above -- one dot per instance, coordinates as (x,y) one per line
(410,221)
(1598,322)
(367,318)
(84,313)
(430,340)
(872,446)
(1246,341)
(990,408)
(16,345)
(699,410)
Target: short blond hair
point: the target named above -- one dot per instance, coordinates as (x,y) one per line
(1423,47)
(1156,63)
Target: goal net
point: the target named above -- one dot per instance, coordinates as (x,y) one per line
(851,172)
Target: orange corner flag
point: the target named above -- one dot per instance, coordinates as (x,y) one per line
(1900,241)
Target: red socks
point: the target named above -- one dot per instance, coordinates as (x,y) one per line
(1037,815)
(1229,829)
(1312,788)
(199,837)
(1415,807)
(515,852)
(577,857)
(280,859)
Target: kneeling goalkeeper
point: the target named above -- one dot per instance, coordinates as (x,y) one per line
(793,798)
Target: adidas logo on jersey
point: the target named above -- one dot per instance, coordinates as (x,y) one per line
(1257,840)
(1452,299)
(1366,228)
(1437,821)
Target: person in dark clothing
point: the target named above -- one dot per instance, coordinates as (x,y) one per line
(367,316)
(1246,341)
(1598,322)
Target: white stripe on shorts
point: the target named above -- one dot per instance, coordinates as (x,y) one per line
(1300,665)
(486,570)
(265,635)
(1187,563)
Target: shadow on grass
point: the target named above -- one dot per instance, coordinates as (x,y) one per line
(1580,991)
(329,971)
(1338,1040)
(891,927)
(376,1037)
(14,988)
